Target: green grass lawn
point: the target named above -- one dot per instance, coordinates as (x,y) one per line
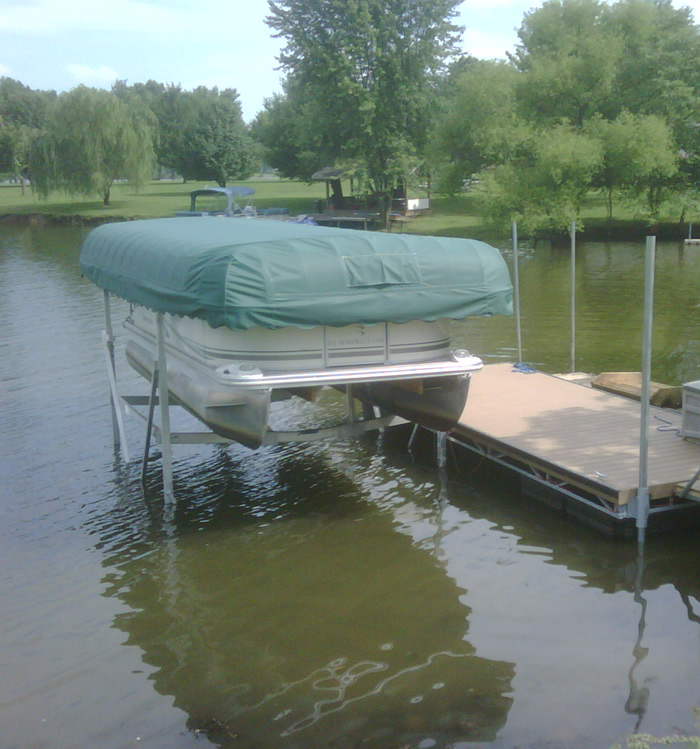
(160,198)
(449,216)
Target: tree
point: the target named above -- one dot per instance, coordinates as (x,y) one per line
(216,144)
(568,56)
(292,143)
(476,124)
(364,79)
(658,71)
(91,139)
(15,147)
(638,156)
(200,133)
(545,184)
(659,75)
(22,113)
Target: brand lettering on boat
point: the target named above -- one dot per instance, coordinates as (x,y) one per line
(376,340)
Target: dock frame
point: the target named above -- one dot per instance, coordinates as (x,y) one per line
(576,448)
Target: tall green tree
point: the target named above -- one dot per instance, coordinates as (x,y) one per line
(476,127)
(365,79)
(659,75)
(568,57)
(91,139)
(658,71)
(200,134)
(216,144)
(286,127)
(625,75)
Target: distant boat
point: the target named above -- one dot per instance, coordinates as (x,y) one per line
(259,311)
(222,202)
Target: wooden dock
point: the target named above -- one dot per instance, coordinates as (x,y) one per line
(575,443)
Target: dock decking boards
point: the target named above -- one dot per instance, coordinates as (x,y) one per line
(588,438)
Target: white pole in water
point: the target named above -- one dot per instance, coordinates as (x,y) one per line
(109,339)
(516,291)
(573,296)
(164,401)
(643,491)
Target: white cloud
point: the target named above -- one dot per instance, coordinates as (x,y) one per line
(98,75)
(487,46)
(480,5)
(55,16)
(4,70)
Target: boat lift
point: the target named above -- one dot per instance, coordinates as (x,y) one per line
(162,433)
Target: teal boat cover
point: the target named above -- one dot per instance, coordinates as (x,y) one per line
(243,273)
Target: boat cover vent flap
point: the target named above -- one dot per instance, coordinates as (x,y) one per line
(382,270)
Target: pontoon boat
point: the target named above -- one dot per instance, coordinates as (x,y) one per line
(250,312)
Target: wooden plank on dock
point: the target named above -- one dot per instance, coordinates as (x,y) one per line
(586,437)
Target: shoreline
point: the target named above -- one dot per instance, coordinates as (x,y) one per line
(596,233)
(51,219)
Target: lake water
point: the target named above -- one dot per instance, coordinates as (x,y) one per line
(326,595)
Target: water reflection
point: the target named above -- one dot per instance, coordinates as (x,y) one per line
(349,595)
(638,699)
(327,622)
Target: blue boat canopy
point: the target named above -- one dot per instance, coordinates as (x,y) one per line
(224,199)
(244,273)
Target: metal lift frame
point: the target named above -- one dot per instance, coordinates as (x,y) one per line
(160,397)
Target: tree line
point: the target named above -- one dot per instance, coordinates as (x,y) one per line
(597,96)
(84,140)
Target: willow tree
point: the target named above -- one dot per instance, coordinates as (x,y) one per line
(364,77)
(93,138)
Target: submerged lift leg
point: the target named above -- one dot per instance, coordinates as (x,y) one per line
(441,449)
(149,425)
(350,403)
(118,432)
(164,401)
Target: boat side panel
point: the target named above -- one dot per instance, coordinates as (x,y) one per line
(292,349)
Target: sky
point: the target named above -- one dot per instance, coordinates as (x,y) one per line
(59,44)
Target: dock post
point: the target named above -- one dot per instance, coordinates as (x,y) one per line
(164,402)
(516,291)
(642,500)
(573,297)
